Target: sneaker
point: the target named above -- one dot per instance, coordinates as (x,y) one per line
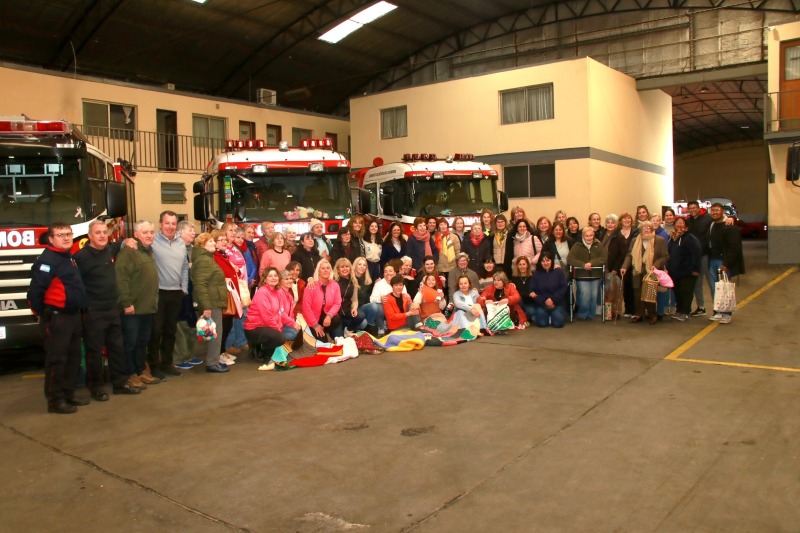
(186,365)
(725,319)
(715,316)
(679,317)
(699,311)
(227,359)
(217,369)
(196,361)
(268,366)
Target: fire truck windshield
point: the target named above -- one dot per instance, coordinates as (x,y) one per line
(39,191)
(453,196)
(292,197)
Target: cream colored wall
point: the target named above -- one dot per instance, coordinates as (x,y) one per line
(464,116)
(738,173)
(595,107)
(783,198)
(624,121)
(45,96)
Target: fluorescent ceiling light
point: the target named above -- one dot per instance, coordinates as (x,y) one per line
(199,1)
(342,30)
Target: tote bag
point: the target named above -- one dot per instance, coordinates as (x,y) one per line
(724,295)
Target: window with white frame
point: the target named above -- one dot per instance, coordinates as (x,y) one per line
(528,104)
(394,122)
(208,132)
(530,181)
(117,121)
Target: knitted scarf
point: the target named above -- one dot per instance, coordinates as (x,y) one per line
(445,245)
(641,256)
(476,240)
(424,237)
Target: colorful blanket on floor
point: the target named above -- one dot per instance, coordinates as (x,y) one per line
(314,353)
(444,332)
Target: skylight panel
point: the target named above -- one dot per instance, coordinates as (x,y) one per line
(357,21)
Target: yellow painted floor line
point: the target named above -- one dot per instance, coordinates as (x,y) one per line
(739,365)
(680,350)
(33,376)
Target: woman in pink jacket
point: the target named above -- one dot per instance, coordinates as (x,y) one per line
(268,315)
(322,301)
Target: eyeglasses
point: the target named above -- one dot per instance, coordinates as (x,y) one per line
(63,235)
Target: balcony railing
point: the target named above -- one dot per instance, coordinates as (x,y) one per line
(782,114)
(152,151)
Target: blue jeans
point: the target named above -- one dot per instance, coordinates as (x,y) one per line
(664,300)
(549,317)
(136,330)
(236,337)
(713,277)
(530,309)
(374,315)
(289,332)
(353,323)
(586,298)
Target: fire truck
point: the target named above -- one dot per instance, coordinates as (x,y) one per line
(251,183)
(423,185)
(50,173)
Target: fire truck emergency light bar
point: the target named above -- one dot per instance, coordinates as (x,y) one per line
(251,144)
(34,126)
(432,157)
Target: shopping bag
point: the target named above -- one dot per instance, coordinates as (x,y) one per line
(234,306)
(244,292)
(498,317)
(206,329)
(724,295)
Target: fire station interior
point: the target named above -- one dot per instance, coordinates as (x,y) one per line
(601,426)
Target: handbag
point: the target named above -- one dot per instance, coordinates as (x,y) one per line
(234,306)
(663,279)
(724,294)
(650,288)
(244,292)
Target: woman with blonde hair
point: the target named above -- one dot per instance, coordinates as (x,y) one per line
(322,301)
(349,315)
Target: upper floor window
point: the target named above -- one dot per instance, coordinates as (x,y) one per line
(208,132)
(117,121)
(394,122)
(528,104)
(530,181)
(299,134)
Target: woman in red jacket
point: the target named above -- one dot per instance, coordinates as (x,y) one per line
(501,291)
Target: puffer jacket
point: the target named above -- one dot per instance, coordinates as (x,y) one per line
(208,281)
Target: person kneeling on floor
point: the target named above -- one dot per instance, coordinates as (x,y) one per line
(400,311)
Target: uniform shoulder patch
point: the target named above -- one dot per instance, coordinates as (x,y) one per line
(44,268)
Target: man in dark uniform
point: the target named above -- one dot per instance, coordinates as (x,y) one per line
(102,319)
(57,298)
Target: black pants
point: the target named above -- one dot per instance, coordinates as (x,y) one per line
(62,348)
(684,291)
(330,330)
(267,339)
(103,329)
(165,324)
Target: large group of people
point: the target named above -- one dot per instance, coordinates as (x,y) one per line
(139,300)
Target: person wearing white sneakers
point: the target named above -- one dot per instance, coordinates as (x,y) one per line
(724,254)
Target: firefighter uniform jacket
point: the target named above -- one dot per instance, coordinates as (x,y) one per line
(56,283)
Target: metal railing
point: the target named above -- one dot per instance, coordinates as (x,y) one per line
(153,151)
(782,112)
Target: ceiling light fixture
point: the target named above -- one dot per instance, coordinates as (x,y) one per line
(357,21)
(199,1)
(703,89)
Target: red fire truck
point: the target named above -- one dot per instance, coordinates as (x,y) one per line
(423,185)
(252,183)
(50,173)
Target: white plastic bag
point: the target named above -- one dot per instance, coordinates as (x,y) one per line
(724,295)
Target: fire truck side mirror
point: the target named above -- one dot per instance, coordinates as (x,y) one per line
(201,207)
(116,204)
(793,163)
(503,201)
(198,187)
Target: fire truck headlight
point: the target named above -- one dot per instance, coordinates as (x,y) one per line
(437,175)
(316,167)
(477,174)
(283,146)
(259,169)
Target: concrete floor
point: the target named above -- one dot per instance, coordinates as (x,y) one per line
(591,428)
